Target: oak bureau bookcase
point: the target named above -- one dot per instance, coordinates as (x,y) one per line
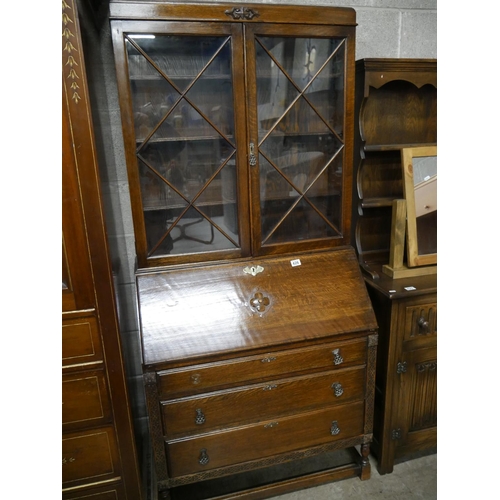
(258,336)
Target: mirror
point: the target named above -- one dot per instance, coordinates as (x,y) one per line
(420,190)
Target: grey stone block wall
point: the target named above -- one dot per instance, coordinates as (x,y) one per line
(386,28)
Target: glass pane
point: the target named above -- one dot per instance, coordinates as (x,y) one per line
(212,93)
(182,58)
(184,120)
(304,223)
(300,116)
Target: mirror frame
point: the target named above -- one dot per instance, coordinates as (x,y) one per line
(414,259)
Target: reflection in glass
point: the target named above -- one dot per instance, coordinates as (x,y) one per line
(300,92)
(425,192)
(183,114)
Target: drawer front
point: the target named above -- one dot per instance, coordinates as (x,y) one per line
(81,341)
(200,378)
(263,401)
(265,439)
(90,455)
(85,399)
(420,321)
(108,492)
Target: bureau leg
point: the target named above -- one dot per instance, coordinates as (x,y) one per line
(365,462)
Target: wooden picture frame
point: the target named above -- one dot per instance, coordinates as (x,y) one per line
(420,191)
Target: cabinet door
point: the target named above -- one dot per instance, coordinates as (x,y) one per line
(208,106)
(77,285)
(181,88)
(418,402)
(300,111)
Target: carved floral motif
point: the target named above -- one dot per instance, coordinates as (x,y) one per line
(259,302)
(242,13)
(70,51)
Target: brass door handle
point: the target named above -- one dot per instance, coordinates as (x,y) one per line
(252,157)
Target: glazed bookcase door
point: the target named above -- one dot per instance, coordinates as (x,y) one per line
(179,85)
(300,115)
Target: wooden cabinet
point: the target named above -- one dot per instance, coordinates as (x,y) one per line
(396,101)
(406,396)
(98,450)
(246,374)
(238,131)
(258,337)
(396,107)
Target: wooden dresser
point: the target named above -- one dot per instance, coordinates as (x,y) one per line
(396,107)
(98,450)
(259,340)
(269,372)
(406,390)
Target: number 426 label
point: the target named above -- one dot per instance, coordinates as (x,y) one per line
(295,262)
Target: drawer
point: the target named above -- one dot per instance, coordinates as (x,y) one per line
(420,321)
(263,401)
(107,492)
(85,399)
(265,439)
(89,455)
(210,376)
(81,342)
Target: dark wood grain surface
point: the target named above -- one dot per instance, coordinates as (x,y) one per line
(190,313)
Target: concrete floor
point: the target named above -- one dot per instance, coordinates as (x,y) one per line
(411,480)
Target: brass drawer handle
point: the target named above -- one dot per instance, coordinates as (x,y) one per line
(270,425)
(423,324)
(268,359)
(337,358)
(269,387)
(338,390)
(203,458)
(200,417)
(334,430)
